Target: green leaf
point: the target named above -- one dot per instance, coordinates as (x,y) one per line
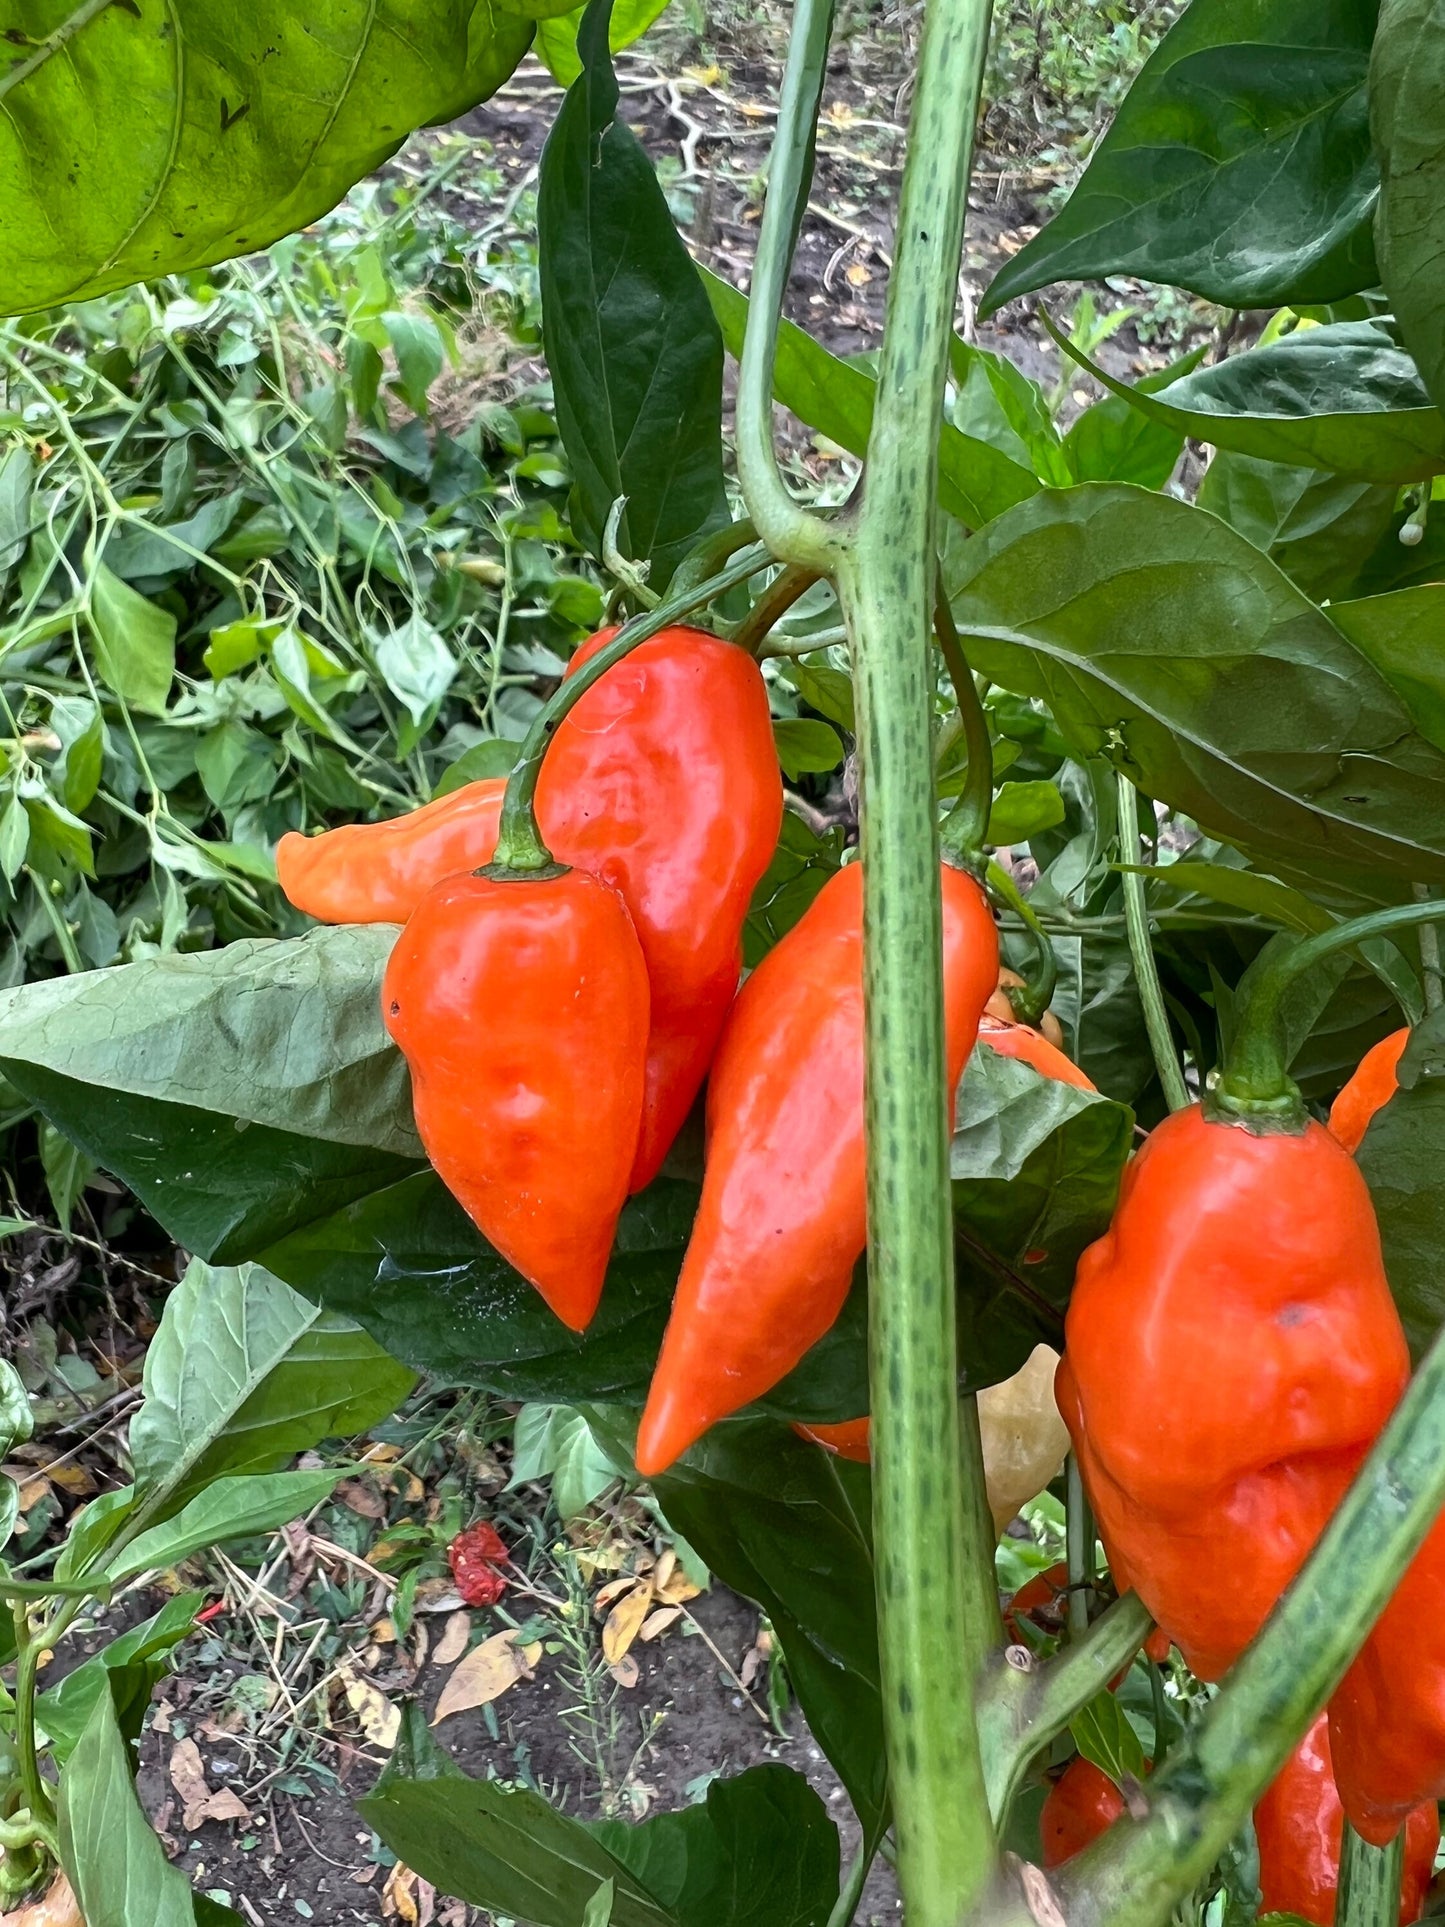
(1238,166)
(1022,810)
(505,1850)
(135,640)
(81,728)
(1320,529)
(789,1526)
(1036,1166)
(806,747)
(67,1172)
(14,836)
(417,344)
(217,136)
(242,1374)
(824,688)
(495,758)
(976,481)
(997,403)
(223,1188)
(1407,117)
(282,1032)
(116,1864)
(1400,1157)
(599,1907)
(1169,645)
(635,355)
(236,645)
(92,1529)
(232,1508)
(66,1709)
(556,1442)
(801,865)
(17,474)
(1400,634)
(1243,890)
(17,1421)
(1104,1736)
(556,42)
(1112,442)
(415,664)
(1346,397)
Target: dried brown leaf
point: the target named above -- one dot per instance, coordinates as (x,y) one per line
(486,1673)
(624,1622)
(656,1624)
(455,1636)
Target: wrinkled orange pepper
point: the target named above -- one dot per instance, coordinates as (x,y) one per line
(379,872)
(781,1221)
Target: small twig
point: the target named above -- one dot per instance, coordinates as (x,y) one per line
(702,1633)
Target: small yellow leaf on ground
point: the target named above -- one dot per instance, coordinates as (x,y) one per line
(485,1674)
(626,1672)
(678,1590)
(613,1590)
(453,1643)
(624,1622)
(380,1721)
(656,1624)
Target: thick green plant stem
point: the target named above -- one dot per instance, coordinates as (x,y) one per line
(520,848)
(1255,1081)
(1146,971)
(792,532)
(1214,1775)
(931,1647)
(1369,1890)
(1023,1704)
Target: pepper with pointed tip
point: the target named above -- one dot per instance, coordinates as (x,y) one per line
(782,1218)
(1372,1085)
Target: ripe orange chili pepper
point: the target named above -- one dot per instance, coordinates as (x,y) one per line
(664,781)
(1032,1047)
(1300,1823)
(781,1222)
(1081,1804)
(1231,1351)
(1372,1085)
(849,1438)
(521,1006)
(1043,1601)
(379,872)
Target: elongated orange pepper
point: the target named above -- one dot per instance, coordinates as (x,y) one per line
(782,1219)
(1372,1085)
(379,872)
(664,781)
(1300,1824)
(1231,1351)
(521,1004)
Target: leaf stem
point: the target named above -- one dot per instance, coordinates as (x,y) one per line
(791,532)
(933,1556)
(772,605)
(1146,970)
(520,847)
(1079,1533)
(1429,955)
(966,829)
(851,1893)
(1028,1001)
(1369,1889)
(52,43)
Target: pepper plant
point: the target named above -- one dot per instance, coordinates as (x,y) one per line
(1264,666)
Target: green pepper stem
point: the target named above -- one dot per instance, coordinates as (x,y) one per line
(1429,956)
(1226,1759)
(966,829)
(1023,1705)
(520,847)
(792,532)
(1079,1541)
(1146,970)
(931,1649)
(1255,1083)
(1369,1889)
(1028,1001)
(772,605)
(711,553)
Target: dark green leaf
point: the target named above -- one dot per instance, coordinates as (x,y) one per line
(1036,1167)
(1167,643)
(828,690)
(1243,890)
(142,549)
(417,344)
(1400,634)
(1401,1158)
(556,42)
(635,354)
(222,1188)
(135,640)
(494,758)
(216,136)
(116,1864)
(1239,165)
(1320,529)
(976,481)
(801,865)
(17,472)
(1346,397)
(67,1172)
(286,1033)
(1407,117)
(788,1525)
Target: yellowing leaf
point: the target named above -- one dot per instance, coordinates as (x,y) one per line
(678,1590)
(453,1642)
(657,1623)
(380,1721)
(484,1675)
(624,1623)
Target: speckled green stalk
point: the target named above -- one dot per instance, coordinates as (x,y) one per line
(931,1554)
(1369,1892)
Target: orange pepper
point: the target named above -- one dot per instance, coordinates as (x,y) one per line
(1372,1085)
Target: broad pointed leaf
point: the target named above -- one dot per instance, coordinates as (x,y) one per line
(1407,116)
